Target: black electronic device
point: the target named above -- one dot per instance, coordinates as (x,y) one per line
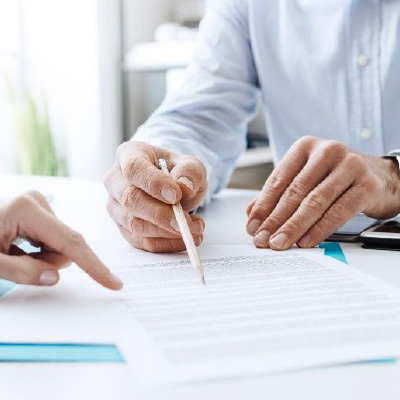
(350,232)
(385,235)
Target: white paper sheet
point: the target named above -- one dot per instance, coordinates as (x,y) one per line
(77,310)
(257,314)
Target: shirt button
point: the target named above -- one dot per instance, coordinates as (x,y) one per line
(363,60)
(366,134)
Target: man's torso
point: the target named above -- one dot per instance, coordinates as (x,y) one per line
(329,68)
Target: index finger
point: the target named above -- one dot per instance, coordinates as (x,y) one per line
(139,165)
(276,184)
(40,225)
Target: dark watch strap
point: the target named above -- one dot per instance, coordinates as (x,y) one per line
(395,155)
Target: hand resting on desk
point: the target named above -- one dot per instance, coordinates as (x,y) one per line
(30,216)
(317,187)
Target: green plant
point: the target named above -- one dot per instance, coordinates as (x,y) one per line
(36,150)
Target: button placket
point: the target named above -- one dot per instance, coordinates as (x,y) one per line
(365,77)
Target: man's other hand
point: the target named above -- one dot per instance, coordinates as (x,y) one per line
(317,187)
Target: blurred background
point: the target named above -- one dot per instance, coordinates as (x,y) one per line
(78,77)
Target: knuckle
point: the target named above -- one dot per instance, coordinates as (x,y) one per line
(191,168)
(315,202)
(134,167)
(108,177)
(129,221)
(137,225)
(333,148)
(250,207)
(275,185)
(319,232)
(172,246)
(199,166)
(153,183)
(21,203)
(193,163)
(138,242)
(162,216)
(35,194)
(354,162)
(75,239)
(23,276)
(293,226)
(370,186)
(294,193)
(273,222)
(306,141)
(149,245)
(130,197)
(337,214)
(123,147)
(131,238)
(189,161)
(259,211)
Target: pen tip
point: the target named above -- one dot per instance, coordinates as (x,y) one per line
(203,280)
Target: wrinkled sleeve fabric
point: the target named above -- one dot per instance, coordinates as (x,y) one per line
(207,117)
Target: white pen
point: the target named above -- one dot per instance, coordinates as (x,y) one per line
(185,231)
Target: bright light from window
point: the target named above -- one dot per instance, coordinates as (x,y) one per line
(9,29)
(9,66)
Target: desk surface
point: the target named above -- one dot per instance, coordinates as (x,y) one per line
(82,205)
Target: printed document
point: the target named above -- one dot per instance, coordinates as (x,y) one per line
(256,314)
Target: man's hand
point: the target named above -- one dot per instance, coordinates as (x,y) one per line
(30,216)
(140,196)
(317,187)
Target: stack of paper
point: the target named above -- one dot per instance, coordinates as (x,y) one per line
(259,312)
(256,314)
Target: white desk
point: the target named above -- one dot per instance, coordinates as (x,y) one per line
(82,205)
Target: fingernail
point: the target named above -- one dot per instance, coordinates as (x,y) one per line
(174,225)
(253,226)
(116,280)
(304,241)
(187,182)
(262,238)
(197,240)
(169,195)
(48,277)
(279,241)
(197,228)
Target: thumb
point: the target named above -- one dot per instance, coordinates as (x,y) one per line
(189,172)
(139,165)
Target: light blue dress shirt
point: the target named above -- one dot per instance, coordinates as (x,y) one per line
(327,68)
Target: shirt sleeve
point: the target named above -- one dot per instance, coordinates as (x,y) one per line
(209,114)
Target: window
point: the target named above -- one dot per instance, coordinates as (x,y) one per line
(9,71)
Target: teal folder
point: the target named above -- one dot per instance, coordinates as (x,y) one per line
(5,287)
(68,353)
(334,250)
